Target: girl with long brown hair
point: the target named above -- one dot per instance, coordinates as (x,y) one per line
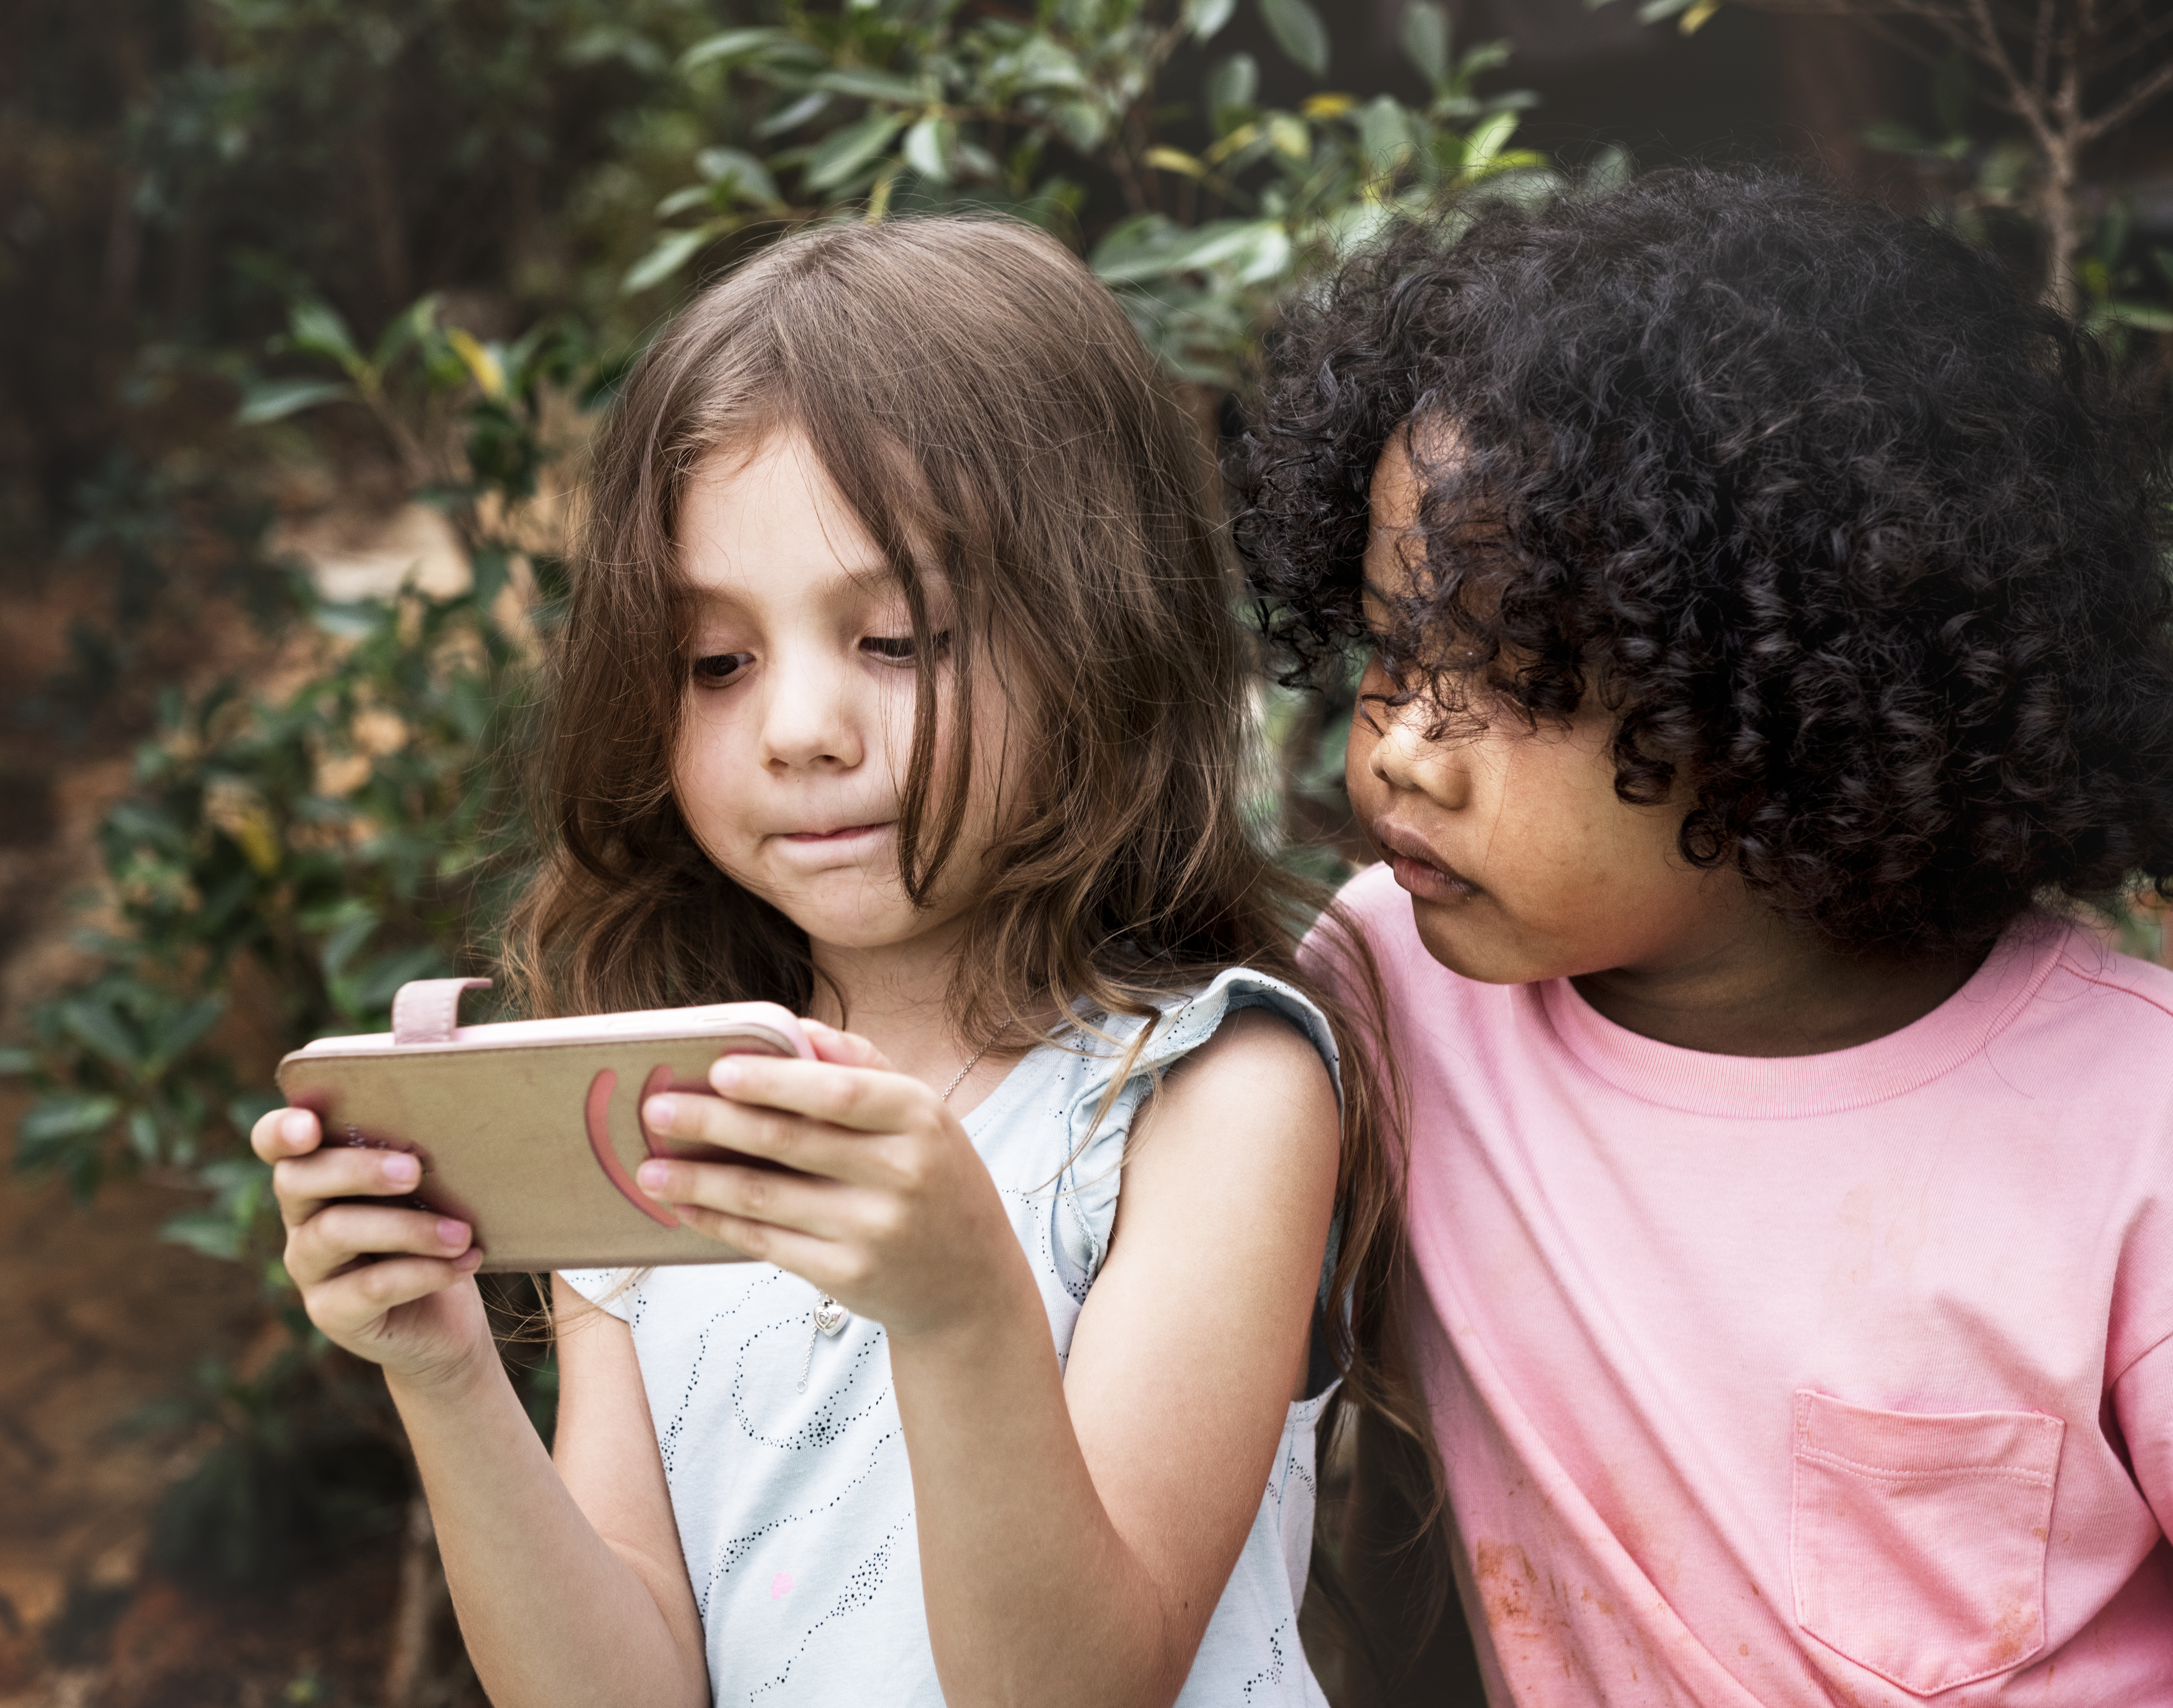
(900,684)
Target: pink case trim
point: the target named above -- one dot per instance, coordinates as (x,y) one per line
(600,1141)
(427,1010)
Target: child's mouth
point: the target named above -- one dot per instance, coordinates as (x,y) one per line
(1415,868)
(843,833)
(1430,883)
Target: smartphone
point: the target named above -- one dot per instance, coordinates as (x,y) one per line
(529,1131)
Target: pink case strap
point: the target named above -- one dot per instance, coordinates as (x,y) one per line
(426,1011)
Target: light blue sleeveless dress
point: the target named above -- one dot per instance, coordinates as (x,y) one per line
(795,1509)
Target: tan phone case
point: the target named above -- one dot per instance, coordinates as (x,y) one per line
(529,1131)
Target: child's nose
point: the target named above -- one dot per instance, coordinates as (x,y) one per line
(1408,755)
(810,718)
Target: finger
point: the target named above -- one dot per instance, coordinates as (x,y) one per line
(350,1303)
(812,1147)
(865,1099)
(303,1185)
(829,1267)
(808,1204)
(341,1234)
(284,1133)
(846,1048)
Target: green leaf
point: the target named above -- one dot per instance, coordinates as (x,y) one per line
(1386,132)
(65,1115)
(747,174)
(727,46)
(673,251)
(16,1061)
(274,400)
(863,84)
(318,328)
(1426,38)
(1205,18)
(185,1028)
(928,148)
(208,1233)
(1487,138)
(96,1026)
(1232,85)
(790,118)
(410,326)
(1298,31)
(143,1135)
(844,152)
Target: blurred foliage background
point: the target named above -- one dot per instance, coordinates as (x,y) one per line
(308,307)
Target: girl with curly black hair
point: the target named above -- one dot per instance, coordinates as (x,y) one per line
(1770,635)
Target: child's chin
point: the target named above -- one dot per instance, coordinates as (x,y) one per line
(1467,947)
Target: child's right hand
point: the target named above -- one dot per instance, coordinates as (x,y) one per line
(391,1284)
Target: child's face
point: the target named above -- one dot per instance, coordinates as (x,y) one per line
(793,754)
(1521,862)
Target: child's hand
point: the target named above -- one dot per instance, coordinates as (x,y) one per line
(391,1284)
(892,1214)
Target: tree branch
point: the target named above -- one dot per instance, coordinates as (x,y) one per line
(2130,104)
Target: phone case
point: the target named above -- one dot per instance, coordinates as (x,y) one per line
(530,1131)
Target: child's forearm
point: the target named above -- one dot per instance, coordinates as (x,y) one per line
(551,1611)
(1033,1593)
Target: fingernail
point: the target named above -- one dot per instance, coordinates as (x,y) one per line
(468,1259)
(725,1074)
(658,1111)
(294,1126)
(653,1176)
(453,1233)
(402,1170)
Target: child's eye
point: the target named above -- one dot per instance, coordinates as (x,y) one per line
(716,669)
(897,649)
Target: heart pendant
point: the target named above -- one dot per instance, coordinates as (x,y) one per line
(830,1317)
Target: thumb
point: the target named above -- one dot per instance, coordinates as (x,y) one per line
(846,1048)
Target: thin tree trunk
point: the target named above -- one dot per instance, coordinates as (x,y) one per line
(416,1613)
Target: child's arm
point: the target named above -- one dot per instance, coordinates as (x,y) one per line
(552,1611)
(1075,1530)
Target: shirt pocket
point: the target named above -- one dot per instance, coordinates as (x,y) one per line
(1918,1538)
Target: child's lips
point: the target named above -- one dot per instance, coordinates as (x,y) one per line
(1418,868)
(843,834)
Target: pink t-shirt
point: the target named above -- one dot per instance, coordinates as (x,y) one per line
(1835,1379)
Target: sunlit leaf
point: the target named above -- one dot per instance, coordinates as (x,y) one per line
(845,152)
(319,328)
(482,363)
(1175,160)
(928,148)
(727,46)
(747,175)
(673,251)
(1205,18)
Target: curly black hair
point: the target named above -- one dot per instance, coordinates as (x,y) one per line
(1835,519)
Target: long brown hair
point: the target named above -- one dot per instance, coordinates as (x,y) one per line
(987,411)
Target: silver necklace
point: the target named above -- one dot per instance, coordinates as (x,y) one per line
(828,1318)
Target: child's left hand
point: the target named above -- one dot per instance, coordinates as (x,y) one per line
(892,1212)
